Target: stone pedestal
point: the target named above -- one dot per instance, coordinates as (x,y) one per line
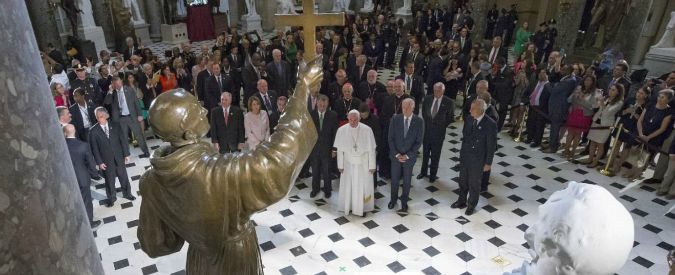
(143,33)
(251,23)
(405,12)
(660,61)
(44,226)
(43,20)
(95,34)
(101,10)
(154,18)
(174,34)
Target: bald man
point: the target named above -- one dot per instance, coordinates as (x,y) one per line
(85,168)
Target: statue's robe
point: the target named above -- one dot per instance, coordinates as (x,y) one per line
(194,194)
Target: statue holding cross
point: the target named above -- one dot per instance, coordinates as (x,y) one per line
(309,21)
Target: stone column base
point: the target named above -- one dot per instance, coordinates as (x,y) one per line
(174,34)
(95,34)
(251,23)
(660,61)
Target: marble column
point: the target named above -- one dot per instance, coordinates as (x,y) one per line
(154,18)
(44,226)
(266,12)
(629,32)
(568,18)
(87,28)
(325,6)
(479,9)
(234,13)
(101,10)
(42,17)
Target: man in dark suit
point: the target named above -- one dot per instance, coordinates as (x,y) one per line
(111,153)
(536,121)
(438,113)
(359,72)
(274,117)
(278,74)
(618,76)
(413,84)
(371,91)
(82,115)
(390,106)
(230,72)
(558,106)
(346,103)
(435,69)
(214,86)
(374,50)
(227,126)
(130,48)
(322,156)
(200,81)
(267,97)
(464,41)
(501,88)
(250,76)
(405,136)
(497,51)
(478,147)
(124,111)
(85,168)
(470,87)
(149,87)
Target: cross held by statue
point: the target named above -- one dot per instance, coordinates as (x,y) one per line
(309,21)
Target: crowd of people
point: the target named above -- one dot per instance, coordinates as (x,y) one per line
(244,83)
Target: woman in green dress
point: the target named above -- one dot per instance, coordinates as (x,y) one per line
(522,37)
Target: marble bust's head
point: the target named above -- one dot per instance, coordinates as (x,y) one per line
(177,117)
(581,230)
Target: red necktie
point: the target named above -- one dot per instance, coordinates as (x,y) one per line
(226,116)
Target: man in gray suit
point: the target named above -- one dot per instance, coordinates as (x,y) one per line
(124,111)
(479,142)
(406,132)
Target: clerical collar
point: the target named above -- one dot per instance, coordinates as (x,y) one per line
(70,137)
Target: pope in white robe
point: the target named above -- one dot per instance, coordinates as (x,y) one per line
(355,145)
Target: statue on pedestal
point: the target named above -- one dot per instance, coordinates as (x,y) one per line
(136,17)
(72,11)
(582,229)
(668,38)
(606,16)
(368,6)
(406,9)
(193,193)
(250,8)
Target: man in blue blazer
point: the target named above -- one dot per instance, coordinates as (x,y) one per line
(558,106)
(406,132)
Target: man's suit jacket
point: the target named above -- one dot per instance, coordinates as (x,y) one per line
(83,161)
(364,90)
(236,62)
(471,83)
(417,87)
(227,136)
(408,145)
(355,78)
(111,102)
(250,79)
(279,81)
(603,83)
(467,44)
(212,91)
(326,138)
(391,105)
(273,101)
(478,142)
(434,71)
(128,52)
(110,151)
(434,127)
(343,107)
(148,94)
(502,87)
(78,121)
(502,52)
(557,101)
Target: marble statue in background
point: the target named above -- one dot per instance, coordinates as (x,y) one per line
(341,5)
(668,38)
(368,6)
(181,9)
(250,8)
(581,230)
(406,9)
(136,16)
(194,194)
(285,7)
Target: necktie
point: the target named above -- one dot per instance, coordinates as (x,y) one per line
(492,55)
(434,110)
(123,103)
(268,105)
(107,132)
(405,130)
(533,97)
(279,68)
(220,84)
(407,83)
(321,122)
(227,115)
(475,123)
(313,103)
(360,73)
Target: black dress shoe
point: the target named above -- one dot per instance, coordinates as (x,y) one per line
(458,205)
(470,211)
(651,181)
(432,178)
(404,208)
(144,155)
(313,194)
(109,203)
(421,176)
(130,197)
(94,224)
(392,204)
(534,145)
(327,194)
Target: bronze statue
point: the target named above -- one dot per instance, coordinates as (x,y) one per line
(72,11)
(192,193)
(606,15)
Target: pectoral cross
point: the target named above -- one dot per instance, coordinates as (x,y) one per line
(309,21)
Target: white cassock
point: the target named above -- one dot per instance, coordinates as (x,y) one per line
(356,155)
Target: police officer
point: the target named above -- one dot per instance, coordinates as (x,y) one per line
(92,92)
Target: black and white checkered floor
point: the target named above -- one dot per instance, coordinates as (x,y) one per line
(299,235)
